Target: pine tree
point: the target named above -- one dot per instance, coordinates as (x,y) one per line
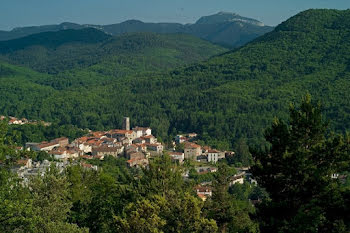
(297,173)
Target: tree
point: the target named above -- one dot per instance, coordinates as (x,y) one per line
(229,213)
(51,203)
(297,173)
(16,212)
(242,154)
(164,201)
(183,213)
(142,216)
(161,177)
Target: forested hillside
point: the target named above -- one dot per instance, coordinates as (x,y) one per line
(230,96)
(55,52)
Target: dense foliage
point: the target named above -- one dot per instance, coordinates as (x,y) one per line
(115,199)
(232,96)
(301,171)
(296,171)
(55,52)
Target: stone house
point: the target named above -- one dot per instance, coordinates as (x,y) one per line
(192,150)
(106,150)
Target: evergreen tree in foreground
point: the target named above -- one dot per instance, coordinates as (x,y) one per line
(297,173)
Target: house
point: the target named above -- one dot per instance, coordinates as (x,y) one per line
(46,146)
(110,142)
(106,150)
(204,190)
(94,142)
(205,149)
(89,166)
(158,148)
(14,121)
(204,170)
(125,141)
(136,159)
(63,153)
(142,131)
(139,140)
(135,155)
(203,158)
(82,144)
(24,163)
(238,178)
(98,134)
(131,148)
(177,156)
(137,162)
(32,146)
(180,139)
(215,155)
(141,147)
(192,135)
(149,139)
(120,133)
(192,150)
(61,141)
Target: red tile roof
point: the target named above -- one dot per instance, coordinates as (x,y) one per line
(203,189)
(22,161)
(192,146)
(122,131)
(176,153)
(86,165)
(47,144)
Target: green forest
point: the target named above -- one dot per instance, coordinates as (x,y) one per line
(297,192)
(228,97)
(255,100)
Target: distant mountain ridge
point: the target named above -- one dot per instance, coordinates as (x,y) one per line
(227,17)
(223,28)
(58,51)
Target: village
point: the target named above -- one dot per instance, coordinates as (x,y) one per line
(136,145)
(23,121)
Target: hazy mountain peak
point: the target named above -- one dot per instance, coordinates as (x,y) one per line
(222,17)
(132,21)
(227,13)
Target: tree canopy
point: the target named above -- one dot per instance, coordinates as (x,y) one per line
(297,170)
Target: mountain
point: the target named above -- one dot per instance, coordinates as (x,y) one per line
(227,29)
(226,17)
(233,95)
(25,31)
(54,39)
(56,52)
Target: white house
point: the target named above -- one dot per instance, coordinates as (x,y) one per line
(214,156)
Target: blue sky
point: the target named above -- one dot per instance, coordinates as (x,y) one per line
(15,13)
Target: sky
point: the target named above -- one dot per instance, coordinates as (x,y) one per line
(19,13)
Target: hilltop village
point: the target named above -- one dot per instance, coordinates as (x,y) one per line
(23,121)
(137,145)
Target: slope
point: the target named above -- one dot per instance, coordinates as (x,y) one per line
(55,52)
(233,95)
(223,28)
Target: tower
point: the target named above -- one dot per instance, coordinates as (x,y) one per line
(126,123)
